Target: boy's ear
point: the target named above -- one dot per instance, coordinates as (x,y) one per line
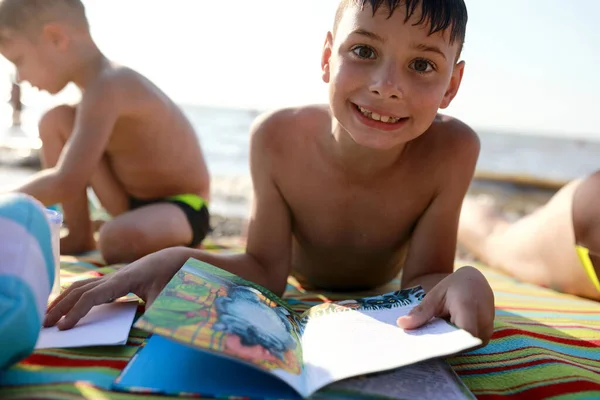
(56,35)
(326,56)
(455,81)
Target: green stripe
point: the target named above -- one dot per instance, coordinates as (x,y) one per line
(192,200)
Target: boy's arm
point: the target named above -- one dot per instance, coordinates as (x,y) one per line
(268,248)
(464,296)
(94,122)
(433,243)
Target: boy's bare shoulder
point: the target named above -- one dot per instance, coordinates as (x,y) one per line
(119,78)
(288,126)
(110,85)
(452,136)
(120,81)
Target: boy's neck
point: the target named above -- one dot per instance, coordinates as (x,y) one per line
(91,64)
(360,160)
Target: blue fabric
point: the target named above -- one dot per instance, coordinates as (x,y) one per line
(23,210)
(19,320)
(20,316)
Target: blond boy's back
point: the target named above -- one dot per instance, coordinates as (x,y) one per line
(153,149)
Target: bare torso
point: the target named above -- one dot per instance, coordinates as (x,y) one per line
(351,233)
(153,151)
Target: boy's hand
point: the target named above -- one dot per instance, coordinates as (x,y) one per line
(465,296)
(145,277)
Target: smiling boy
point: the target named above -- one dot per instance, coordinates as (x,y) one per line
(349,194)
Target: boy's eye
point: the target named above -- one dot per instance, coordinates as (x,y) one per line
(364,52)
(421,65)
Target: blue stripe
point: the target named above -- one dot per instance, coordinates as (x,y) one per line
(14,377)
(23,210)
(516,343)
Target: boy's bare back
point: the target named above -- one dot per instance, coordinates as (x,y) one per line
(153,149)
(351,231)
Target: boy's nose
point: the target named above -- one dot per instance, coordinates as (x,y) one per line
(387,83)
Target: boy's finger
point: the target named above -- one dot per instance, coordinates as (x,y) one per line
(466,321)
(421,314)
(417,317)
(68,291)
(62,306)
(98,295)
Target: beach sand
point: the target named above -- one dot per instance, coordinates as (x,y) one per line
(513,200)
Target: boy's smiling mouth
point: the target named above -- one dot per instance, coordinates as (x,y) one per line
(379,120)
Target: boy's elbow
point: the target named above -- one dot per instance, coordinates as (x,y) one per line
(270,274)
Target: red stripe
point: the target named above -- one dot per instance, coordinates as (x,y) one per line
(550,355)
(64,362)
(502,333)
(546,391)
(482,370)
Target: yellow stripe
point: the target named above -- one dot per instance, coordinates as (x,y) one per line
(584,256)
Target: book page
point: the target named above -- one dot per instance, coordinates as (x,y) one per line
(213,310)
(105,325)
(358,337)
(427,380)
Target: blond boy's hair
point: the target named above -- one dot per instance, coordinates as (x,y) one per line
(28,16)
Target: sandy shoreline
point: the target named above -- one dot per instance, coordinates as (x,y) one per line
(225,227)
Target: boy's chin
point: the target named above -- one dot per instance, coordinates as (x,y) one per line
(378,141)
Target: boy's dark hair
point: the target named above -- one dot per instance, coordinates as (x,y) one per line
(25,16)
(438,14)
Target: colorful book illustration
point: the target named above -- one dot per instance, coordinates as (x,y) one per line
(216,334)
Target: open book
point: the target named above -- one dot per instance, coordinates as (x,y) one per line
(219,335)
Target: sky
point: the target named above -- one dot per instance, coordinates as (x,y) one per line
(531,65)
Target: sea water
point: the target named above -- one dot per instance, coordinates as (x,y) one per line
(224,136)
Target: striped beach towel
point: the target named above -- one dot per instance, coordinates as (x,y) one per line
(545,345)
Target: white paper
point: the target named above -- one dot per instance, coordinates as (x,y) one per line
(346,344)
(428,380)
(104,325)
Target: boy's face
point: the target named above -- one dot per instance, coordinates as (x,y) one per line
(37,62)
(387,79)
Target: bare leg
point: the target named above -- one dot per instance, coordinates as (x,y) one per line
(55,128)
(145,230)
(586,221)
(108,189)
(539,248)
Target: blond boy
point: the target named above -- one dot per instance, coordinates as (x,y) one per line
(126,138)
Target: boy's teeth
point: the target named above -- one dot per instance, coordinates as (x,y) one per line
(377,117)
